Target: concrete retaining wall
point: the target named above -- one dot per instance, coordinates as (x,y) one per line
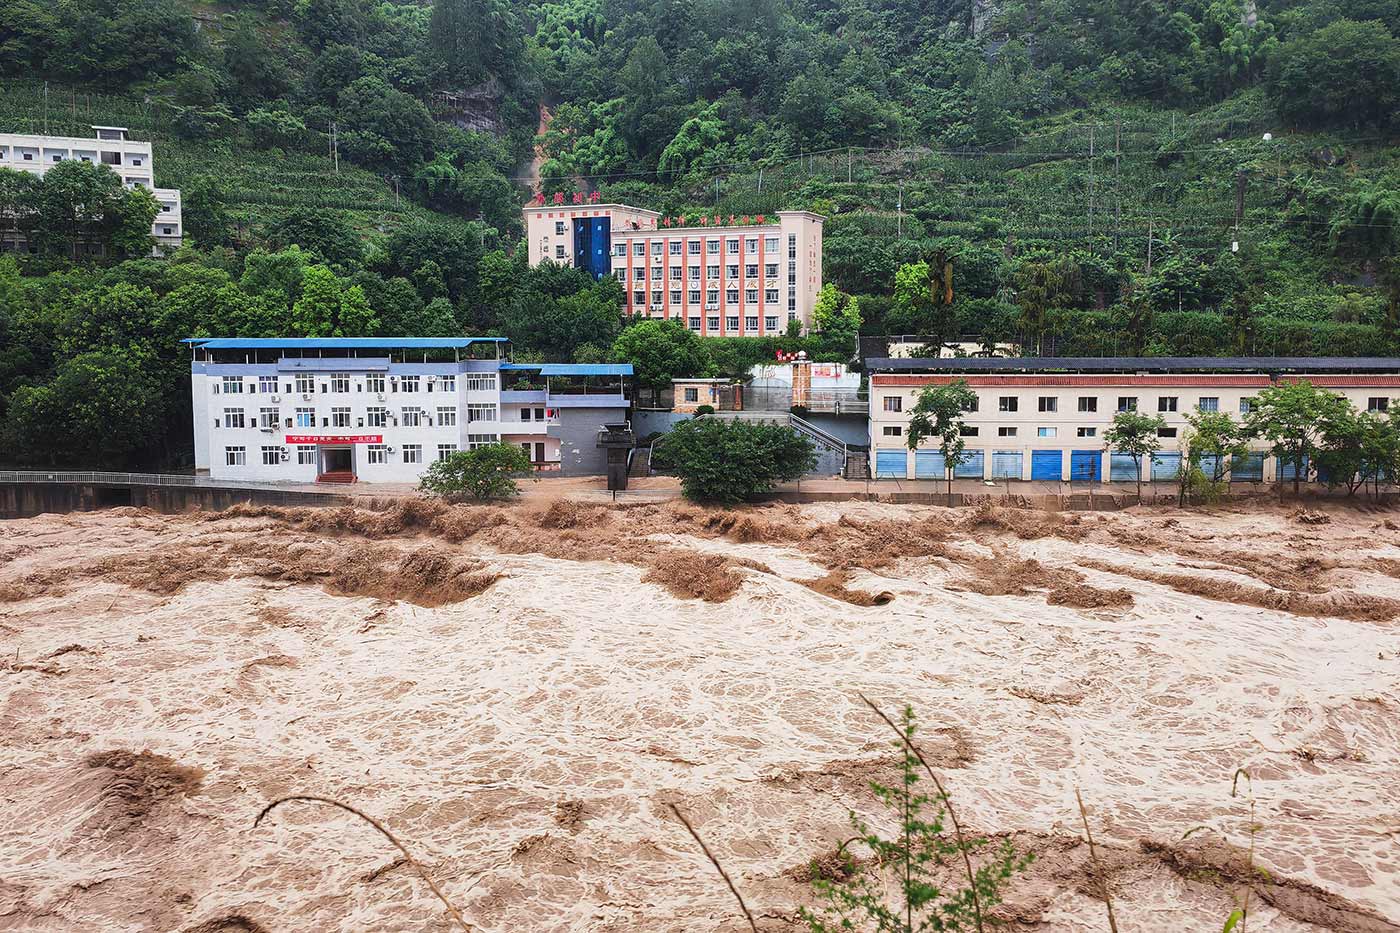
(23,500)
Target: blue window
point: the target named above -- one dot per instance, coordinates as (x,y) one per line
(1209,403)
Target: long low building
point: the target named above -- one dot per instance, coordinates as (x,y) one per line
(372,409)
(1045,418)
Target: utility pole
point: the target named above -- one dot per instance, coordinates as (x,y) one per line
(1117,180)
(848,165)
(900,208)
(1149,245)
(335,148)
(46,108)
(1091,181)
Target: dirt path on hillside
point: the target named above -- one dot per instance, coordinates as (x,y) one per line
(521,692)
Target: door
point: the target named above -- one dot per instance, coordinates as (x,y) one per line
(971,467)
(539,453)
(1086,466)
(891,463)
(1166,467)
(928,464)
(1122,468)
(1047,464)
(1286,469)
(1211,467)
(1007,464)
(1247,469)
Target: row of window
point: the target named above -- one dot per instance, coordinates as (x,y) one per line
(712,247)
(306,454)
(1089,404)
(375,417)
(639,273)
(731,297)
(731,323)
(967,430)
(305,383)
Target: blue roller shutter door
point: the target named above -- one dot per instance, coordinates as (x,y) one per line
(1086,466)
(1007,464)
(891,463)
(1047,464)
(1165,468)
(1286,470)
(971,468)
(1247,469)
(1209,466)
(928,464)
(1122,468)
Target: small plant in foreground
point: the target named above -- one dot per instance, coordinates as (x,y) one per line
(1239,917)
(857,897)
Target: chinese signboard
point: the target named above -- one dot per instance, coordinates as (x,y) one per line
(335,438)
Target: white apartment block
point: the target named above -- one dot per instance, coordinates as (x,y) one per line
(722,276)
(1044,419)
(131,160)
(369,409)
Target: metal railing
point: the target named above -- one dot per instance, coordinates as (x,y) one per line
(825,439)
(107,478)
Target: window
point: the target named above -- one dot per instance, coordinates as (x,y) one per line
(676,273)
(374,382)
(1008,403)
(449,383)
(1127,403)
(409,383)
(306,455)
(967,430)
(376,417)
(267,417)
(267,384)
(1376,404)
(1088,432)
(751,296)
(233,385)
(674,247)
(412,453)
(675,296)
(412,418)
(751,322)
(731,272)
(694,273)
(481,413)
(639,273)
(656,247)
(378,453)
(481,440)
(446,416)
(559,251)
(271,456)
(235,456)
(559,228)
(693,296)
(1209,403)
(1166,403)
(770,244)
(770,322)
(1088,403)
(486,383)
(694,323)
(1006,432)
(731,322)
(1049,403)
(731,296)
(305,383)
(340,417)
(751,245)
(751,270)
(639,248)
(712,272)
(1166,432)
(712,322)
(639,298)
(1246,406)
(770,270)
(656,273)
(894,403)
(446,450)
(340,382)
(893,430)
(233,418)
(692,395)
(732,247)
(1046,432)
(306,417)
(692,247)
(656,298)
(712,247)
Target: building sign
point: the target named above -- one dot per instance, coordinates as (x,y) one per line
(335,438)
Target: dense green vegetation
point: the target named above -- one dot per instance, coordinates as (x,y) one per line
(1201,176)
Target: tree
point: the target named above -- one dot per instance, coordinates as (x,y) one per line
(384,127)
(660,351)
(1134,433)
(326,309)
(1215,434)
(732,461)
(1343,73)
(939,414)
(130,223)
(75,207)
(325,232)
(557,326)
(838,320)
(1289,415)
(275,128)
(488,472)
(204,208)
(1356,448)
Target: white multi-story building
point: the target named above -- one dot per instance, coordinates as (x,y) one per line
(131,160)
(1044,419)
(370,409)
(722,276)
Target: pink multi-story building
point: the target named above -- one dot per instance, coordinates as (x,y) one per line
(721,275)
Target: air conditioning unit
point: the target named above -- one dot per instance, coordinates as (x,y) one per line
(283,456)
(306,396)
(266,429)
(393,378)
(389,448)
(432,379)
(379,396)
(277,398)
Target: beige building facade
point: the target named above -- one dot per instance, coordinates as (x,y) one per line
(721,276)
(1044,419)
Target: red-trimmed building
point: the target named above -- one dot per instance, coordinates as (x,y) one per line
(1044,418)
(721,275)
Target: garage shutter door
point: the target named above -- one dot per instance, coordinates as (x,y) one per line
(1286,469)
(1209,466)
(928,464)
(1122,468)
(891,463)
(1165,468)
(971,468)
(1007,464)
(1086,466)
(1247,469)
(1047,464)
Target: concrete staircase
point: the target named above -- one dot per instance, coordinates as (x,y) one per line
(338,476)
(640,464)
(857,466)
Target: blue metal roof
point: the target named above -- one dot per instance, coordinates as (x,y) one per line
(1136,364)
(574,369)
(338,343)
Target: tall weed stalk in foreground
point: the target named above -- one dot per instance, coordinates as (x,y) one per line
(909,861)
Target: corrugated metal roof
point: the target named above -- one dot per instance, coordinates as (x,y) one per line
(1136,364)
(338,343)
(585,369)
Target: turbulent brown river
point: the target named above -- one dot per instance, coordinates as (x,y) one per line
(520,693)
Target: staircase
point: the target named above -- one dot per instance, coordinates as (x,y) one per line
(829,446)
(639,464)
(337,476)
(857,466)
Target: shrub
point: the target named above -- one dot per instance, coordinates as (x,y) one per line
(484,473)
(705,410)
(730,461)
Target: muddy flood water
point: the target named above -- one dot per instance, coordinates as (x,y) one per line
(520,693)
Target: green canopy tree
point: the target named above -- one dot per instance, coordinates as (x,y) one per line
(327,309)
(938,414)
(1134,433)
(733,461)
(1290,416)
(660,351)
